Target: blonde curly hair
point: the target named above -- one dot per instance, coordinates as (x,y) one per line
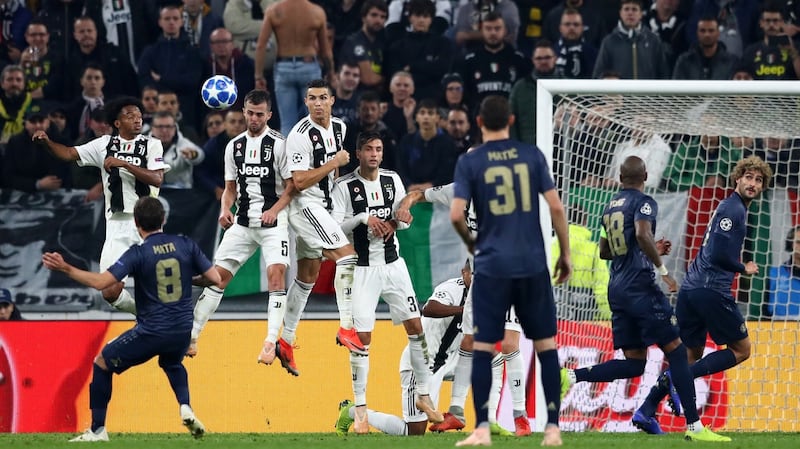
(752,163)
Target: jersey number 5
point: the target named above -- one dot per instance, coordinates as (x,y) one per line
(503,180)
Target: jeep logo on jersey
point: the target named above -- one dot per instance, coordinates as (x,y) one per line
(381,212)
(250,170)
(130,158)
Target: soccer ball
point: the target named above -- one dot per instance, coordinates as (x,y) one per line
(219,92)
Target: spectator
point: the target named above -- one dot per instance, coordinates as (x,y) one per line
(738,22)
(14,19)
(366,46)
(399,20)
(180,154)
(453,95)
(784,282)
(300,33)
(783,156)
(198,24)
(523,95)
(459,129)
(399,115)
(494,67)
(173,63)
(664,19)
(91,97)
(470,15)
(427,56)
(532,14)
(701,161)
(14,102)
(344,16)
(44,70)
(775,56)
(594,26)
(149,99)
(213,125)
(631,49)
(120,76)
(707,59)
(60,17)
(127,24)
(8,310)
(368,119)
(29,167)
(168,101)
(88,177)
(209,174)
(426,158)
(228,60)
(58,118)
(347,80)
(243,19)
(575,55)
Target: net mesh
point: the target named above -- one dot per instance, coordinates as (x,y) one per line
(690,145)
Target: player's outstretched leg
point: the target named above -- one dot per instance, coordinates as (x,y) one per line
(285,353)
(207,304)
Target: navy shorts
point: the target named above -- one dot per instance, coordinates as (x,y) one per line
(641,318)
(704,310)
(134,348)
(532,298)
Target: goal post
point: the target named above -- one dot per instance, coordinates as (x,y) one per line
(690,134)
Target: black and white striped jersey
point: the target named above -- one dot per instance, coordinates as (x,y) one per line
(444,195)
(355,199)
(258,166)
(310,146)
(121,189)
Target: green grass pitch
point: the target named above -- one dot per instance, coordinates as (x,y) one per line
(589,440)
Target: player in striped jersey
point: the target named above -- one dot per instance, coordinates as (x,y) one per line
(255,174)
(363,202)
(314,150)
(131,166)
(454,418)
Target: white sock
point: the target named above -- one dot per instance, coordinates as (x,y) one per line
(693,427)
(386,423)
(343,284)
(497,386)
(125,302)
(206,305)
(461,380)
(276,310)
(516,384)
(359,367)
(418,352)
(296,299)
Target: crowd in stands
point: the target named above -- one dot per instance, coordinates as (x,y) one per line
(413,70)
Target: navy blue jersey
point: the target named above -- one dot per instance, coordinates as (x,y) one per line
(503,179)
(163,266)
(717,262)
(630,267)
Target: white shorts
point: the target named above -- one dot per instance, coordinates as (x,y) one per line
(410,411)
(240,242)
(316,230)
(390,282)
(512,322)
(121,234)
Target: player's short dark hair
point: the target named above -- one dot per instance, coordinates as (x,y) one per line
(422,8)
(258,96)
(319,84)
(366,137)
(380,5)
(427,103)
(114,108)
(149,213)
(495,112)
(369,96)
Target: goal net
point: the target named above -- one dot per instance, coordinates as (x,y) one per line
(690,135)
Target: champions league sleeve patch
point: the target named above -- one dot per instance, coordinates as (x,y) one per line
(646,209)
(726,224)
(297,158)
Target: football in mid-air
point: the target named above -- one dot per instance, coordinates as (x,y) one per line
(219,92)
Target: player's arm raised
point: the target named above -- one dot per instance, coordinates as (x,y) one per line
(403,212)
(647,242)
(563,268)
(98,281)
(60,151)
(304,179)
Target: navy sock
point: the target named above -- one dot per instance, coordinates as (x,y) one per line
(715,362)
(179,381)
(551,383)
(99,396)
(481,384)
(683,381)
(611,370)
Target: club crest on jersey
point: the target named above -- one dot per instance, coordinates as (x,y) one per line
(646,209)
(726,224)
(389,188)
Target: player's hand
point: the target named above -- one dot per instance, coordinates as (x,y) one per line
(663,246)
(226,219)
(342,157)
(404,215)
(377,226)
(40,136)
(672,284)
(111,162)
(750,268)
(269,217)
(563,269)
(49,183)
(54,261)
